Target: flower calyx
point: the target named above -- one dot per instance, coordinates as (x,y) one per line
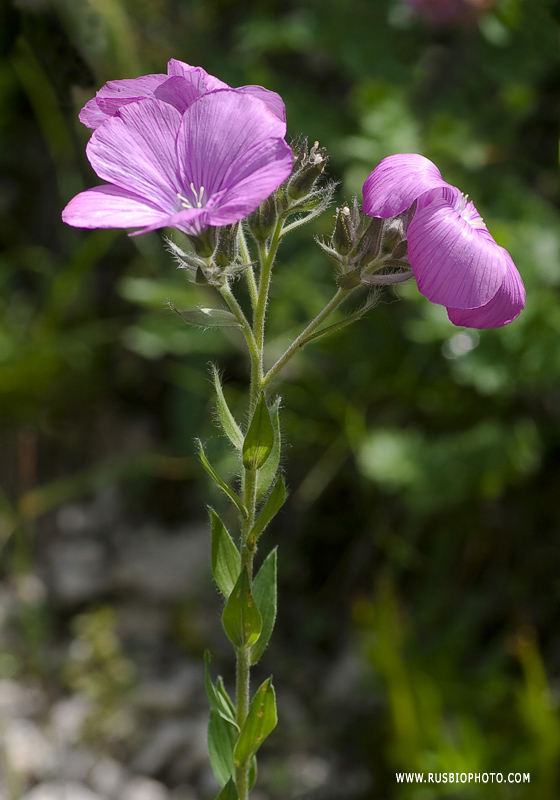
(367,250)
(263,221)
(309,164)
(212,257)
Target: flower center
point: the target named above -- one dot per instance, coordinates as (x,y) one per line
(197,194)
(466,209)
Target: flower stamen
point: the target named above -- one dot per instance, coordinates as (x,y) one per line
(198,195)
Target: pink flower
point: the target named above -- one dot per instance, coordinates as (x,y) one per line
(454,258)
(181,86)
(212,164)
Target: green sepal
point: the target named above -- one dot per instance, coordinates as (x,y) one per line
(274,503)
(267,473)
(209,317)
(219,482)
(264,591)
(221,744)
(227,421)
(241,618)
(259,440)
(218,697)
(226,561)
(261,721)
(229,792)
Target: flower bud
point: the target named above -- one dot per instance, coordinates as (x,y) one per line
(262,222)
(307,169)
(227,249)
(393,234)
(204,243)
(343,235)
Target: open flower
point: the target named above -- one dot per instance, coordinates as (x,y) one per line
(211,165)
(181,86)
(454,258)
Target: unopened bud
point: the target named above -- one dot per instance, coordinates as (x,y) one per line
(343,234)
(370,242)
(401,250)
(227,249)
(306,171)
(262,222)
(393,234)
(204,243)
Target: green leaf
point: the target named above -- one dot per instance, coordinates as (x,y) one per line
(261,721)
(259,440)
(264,591)
(229,792)
(267,473)
(217,695)
(228,423)
(219,482)
(274,503)
(221,743)
(253,772)
(209,317)
(226,561)
(242,619)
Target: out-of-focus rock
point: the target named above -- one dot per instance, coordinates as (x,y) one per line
(174,694)
(141,788)
(168,567)
(108,778)
(78,570)
(57,790)
(178,737)
(26,750)
(67,719)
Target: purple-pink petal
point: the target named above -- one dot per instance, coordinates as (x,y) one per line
(271,99)
(229,141)
(111,207)
(397,181)
(456,263)
(136,151)
(116,94)
(197,76)
(506,305)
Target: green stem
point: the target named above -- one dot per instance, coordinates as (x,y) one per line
(301,340)
(267,257)
(249,272)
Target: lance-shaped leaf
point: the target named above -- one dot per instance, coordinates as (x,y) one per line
(242,619)
(229,792)
(219,482)
(274,503)
(227,421)
(259,440)
(261,721)
(208,317)
(264,591)
(221,742)
(253,772)
(217,695)
(267,473)
(226,561)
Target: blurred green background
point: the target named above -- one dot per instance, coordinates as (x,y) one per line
(419,550)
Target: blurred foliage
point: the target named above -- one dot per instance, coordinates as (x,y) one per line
(418,452)
(99,673)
